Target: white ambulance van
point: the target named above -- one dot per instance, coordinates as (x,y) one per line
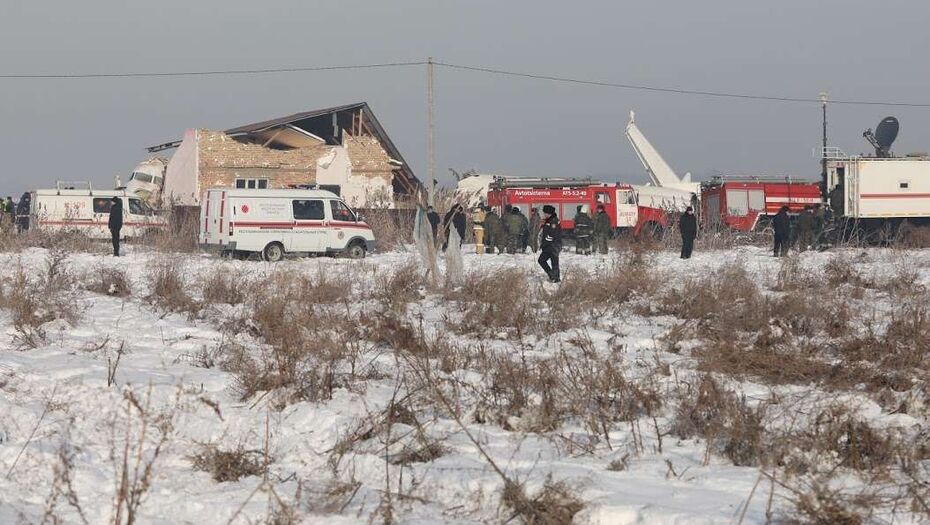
(239,222)
(87,210)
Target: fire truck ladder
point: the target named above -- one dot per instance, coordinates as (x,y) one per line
(503,182)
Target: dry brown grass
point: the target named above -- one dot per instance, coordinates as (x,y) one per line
(61,240)
(725,421)
(108,281)
(168,289)
(223,286)
(36,300)
(229,465)
(497,301)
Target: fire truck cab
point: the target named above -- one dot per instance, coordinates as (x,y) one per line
(566,195)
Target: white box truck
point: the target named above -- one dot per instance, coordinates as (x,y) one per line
(240,222)
(88,211)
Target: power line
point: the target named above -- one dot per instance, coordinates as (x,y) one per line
(462,67)
(677,91)
(218,72)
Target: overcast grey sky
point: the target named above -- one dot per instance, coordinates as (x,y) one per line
(97,128)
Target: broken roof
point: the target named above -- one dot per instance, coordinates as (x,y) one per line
(322,125)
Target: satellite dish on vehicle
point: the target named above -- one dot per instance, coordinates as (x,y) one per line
(884,136)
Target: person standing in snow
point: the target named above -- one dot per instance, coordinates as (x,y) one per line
(601,229)
(782,225)
(115,223)
(513,224)
(805,229)
(455,218)
(478,231)
(584,226)
(22,212)
(11,210)
(492,230)
(550,243)
(433,219)
(535,224)
(687,225)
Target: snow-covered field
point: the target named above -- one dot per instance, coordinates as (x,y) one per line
(413,420)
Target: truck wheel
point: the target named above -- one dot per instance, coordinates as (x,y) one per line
(355,251)
(274,252)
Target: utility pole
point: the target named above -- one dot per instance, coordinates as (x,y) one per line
(430,132)
(823,152)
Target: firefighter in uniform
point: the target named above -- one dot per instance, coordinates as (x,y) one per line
(601,229)
(477,221)
(535,224)
(550,243)
(584,226)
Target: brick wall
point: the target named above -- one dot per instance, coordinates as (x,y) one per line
(222,160)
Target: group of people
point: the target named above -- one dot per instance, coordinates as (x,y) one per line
(591,233)
(513,232)
(808,230)
(15,215)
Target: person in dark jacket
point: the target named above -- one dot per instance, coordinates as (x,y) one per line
(492,229)
(22,212)
(804,229)
(550,237)
(455,218)
(688,227)
(782,225)
(433,219)
(601,229)
(115,222)
(524,229)
(584,227)
(535,226)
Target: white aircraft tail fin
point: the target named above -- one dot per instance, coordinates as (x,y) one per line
(660,173)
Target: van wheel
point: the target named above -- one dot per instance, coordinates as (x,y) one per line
(274,252)
(355,251)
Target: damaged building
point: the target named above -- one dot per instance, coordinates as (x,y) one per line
(342,149)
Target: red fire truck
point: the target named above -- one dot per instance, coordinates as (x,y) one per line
(565,195)
(742,204)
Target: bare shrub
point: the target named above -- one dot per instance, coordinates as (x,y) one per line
(181,234)
(722,302)
(724,419)
(309,342)
(229,465)
(392,227)
(109,281)
(167,288)
(498,300)
(555,504)
(223,287)
(393,291)
(581,294)
(35,301)
(135,453)
(56,240)
(592,387)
